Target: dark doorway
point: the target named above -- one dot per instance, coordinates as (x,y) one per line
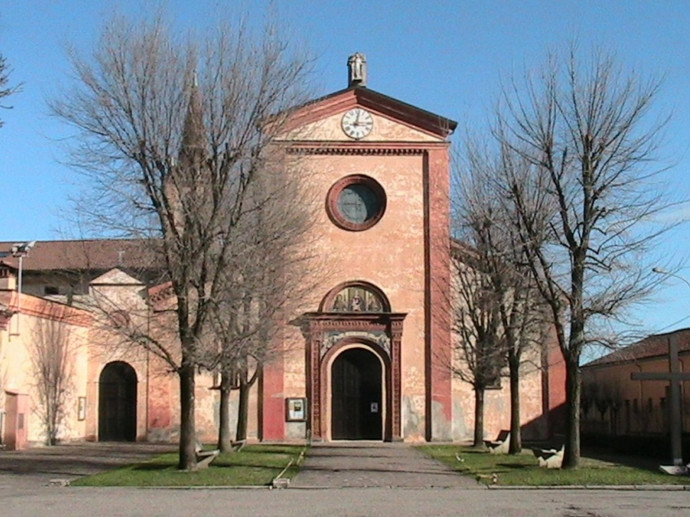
(117,403)
(356,389)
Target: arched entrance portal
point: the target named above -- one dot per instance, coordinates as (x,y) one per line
(117,403)
(354,344)
(356,389)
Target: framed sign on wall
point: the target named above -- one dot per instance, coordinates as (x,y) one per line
(296,409)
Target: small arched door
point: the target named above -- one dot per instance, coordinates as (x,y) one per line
(356,408)
(117,403)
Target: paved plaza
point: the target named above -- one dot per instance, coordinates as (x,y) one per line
(368,465)
(349,479)
(36,467)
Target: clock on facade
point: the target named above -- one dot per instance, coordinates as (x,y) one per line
(357,123)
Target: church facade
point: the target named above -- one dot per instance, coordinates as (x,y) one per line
(374,346)
(370,357)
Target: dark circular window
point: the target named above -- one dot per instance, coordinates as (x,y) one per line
(356,202)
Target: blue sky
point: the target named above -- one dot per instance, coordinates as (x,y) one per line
(444,56)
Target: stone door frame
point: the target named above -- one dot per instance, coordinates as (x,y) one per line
(327,334)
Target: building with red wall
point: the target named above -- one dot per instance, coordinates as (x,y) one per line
(368,354)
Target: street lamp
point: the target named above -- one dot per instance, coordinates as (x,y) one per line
(20,250)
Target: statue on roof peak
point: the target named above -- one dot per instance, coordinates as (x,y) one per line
(357,70)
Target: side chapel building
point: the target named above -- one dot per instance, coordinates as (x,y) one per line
(369,361)
(616,406)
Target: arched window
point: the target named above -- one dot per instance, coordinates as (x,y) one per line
(355,297)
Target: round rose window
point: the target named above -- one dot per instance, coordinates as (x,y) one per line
(356,202)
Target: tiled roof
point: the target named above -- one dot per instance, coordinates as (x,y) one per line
(383,104)
(94,254)
(650,347)
(43,308)
(161,295)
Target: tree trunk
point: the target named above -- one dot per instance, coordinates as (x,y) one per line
(571,457)
(51,438)
(187,444)
(515,431)
(478,417)
(576,343)
(224,436)
(246,383)
(243,410)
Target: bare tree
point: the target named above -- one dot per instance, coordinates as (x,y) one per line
(266,282)
(485,222)
(5,89)
(52,349)
(181,180)
(525,329)
(479,351)
(586,202)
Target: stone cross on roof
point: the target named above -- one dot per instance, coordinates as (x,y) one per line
(674,376)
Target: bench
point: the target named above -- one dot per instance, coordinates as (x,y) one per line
(675,470)
(204,457)
(239,445)
(500,445)
(549,458)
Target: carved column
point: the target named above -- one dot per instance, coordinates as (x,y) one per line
(314,347)
(396,345)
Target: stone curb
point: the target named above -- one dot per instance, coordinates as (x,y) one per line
(389,487)
(622,488)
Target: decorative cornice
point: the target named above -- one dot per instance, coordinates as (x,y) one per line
(352,319)
(333,337)
(353,151)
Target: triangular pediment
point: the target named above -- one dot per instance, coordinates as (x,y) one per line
(116,277)
(393,120)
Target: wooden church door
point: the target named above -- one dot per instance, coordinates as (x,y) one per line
(356,396)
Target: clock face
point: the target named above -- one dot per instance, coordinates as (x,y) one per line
(357,123)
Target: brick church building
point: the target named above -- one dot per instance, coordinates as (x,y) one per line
(369,360)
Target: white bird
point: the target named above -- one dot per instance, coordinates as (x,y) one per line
(459,458)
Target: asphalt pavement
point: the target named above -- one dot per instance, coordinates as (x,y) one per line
(349,479)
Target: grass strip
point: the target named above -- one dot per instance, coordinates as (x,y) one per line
(523,470)
(254,465)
